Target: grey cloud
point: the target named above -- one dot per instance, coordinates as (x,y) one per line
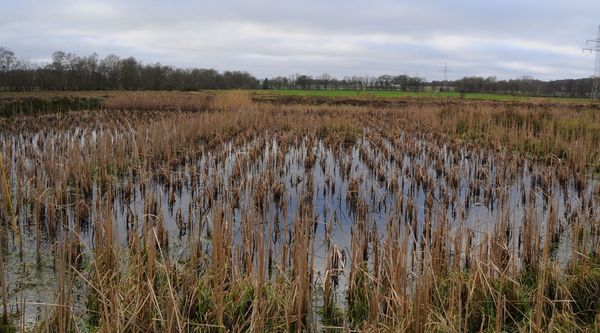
(266,37)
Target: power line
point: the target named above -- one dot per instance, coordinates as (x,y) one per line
(593,45)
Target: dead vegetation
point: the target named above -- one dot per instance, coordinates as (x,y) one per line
(155,217)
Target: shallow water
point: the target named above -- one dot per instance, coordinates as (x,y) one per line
(470,189)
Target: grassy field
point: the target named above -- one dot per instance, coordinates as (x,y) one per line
(400,94)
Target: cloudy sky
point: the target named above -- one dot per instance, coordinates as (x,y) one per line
(509,38)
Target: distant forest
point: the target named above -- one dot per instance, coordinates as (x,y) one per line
(67,71)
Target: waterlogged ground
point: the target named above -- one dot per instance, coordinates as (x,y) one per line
(274,180)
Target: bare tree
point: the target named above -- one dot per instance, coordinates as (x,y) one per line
(7,62)
(109,71)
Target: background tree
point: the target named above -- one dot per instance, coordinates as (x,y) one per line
(7,63)
(110,72)
(130,73)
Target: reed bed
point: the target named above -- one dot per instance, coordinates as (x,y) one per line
(208,212)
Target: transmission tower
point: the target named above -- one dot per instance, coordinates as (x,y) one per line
(445,70)
(593,45)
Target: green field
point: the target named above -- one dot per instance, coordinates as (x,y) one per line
(403,94)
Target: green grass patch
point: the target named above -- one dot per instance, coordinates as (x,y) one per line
(408,94)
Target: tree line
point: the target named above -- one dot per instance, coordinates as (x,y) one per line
(67,71)
(580,88)
(525,86)
(327,82)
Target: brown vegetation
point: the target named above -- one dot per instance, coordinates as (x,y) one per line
(289,217)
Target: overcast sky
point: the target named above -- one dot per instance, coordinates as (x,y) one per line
(509,38)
